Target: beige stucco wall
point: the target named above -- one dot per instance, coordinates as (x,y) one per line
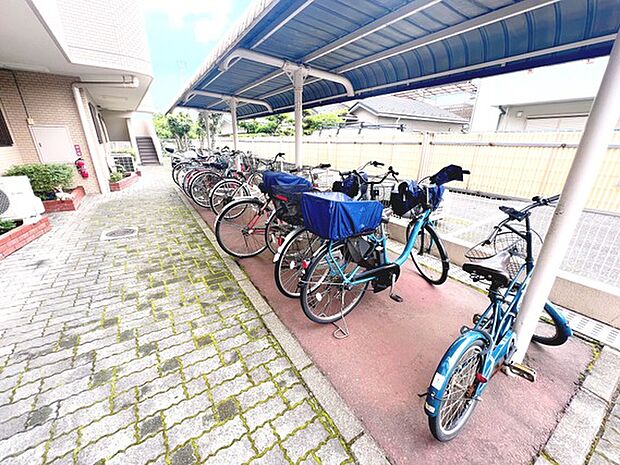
(47,100)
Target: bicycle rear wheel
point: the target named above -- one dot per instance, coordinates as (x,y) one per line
(294,256)
(457,404)
(429,255)
(240,228)
(324,297)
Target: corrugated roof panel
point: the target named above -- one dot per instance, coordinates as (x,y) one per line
(294,29)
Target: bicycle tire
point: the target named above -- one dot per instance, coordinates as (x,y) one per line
(558,337)
(228,223)
(308,285)
(438,430)
(294,255)
(418,251)
(201,185)
(275,232)
(221,195)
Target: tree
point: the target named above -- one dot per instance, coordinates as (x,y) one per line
(215,125)
(274,125)
(180,125)
(161,126)
(320,121)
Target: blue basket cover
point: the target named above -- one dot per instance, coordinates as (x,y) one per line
(335,216)
(278,178)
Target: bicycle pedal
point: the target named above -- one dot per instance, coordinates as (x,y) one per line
(396,298)
(523,371)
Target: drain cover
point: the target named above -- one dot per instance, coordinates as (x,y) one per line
(118,233)
(4,202)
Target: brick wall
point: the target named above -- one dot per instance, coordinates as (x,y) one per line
(19,237)
(48,100)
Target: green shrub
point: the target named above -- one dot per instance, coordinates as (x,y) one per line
(116,176)
(7,225)
(45,178)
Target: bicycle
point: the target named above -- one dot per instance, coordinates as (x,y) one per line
(247,226)
(505,260)
(229,189)
(295,253)
(355,253)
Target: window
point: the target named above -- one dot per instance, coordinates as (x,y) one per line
(93,114)
(5,135)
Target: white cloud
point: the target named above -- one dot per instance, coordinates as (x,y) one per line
(210,29)
(179,11)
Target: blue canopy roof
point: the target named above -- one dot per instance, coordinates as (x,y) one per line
(385,46)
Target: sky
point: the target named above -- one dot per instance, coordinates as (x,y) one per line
(181,35)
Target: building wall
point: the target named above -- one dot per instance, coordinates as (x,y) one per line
(411,125)
(110,33)
(551,116)
(47,100)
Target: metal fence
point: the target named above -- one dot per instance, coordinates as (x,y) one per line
(518,165)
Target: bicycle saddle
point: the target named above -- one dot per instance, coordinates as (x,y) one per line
(494,269)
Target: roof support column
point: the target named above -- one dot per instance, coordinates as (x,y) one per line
(588,160)
(298,77)
(232,104)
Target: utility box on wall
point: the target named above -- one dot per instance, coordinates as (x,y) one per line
(54,144)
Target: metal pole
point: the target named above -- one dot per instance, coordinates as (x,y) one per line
(207,117)
(581,178)
(232,104)
(298,84)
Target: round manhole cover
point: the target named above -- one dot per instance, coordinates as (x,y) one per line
(4,202)
(119,233)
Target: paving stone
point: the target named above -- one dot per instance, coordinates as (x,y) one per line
(81,338)
(604,378)
(184,456)
(332,453)
(302,441)
(239,452)
(572,438)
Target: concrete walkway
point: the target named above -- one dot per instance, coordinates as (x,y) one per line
(146,350)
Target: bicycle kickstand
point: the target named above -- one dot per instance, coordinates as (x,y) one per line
(341,331)
(395,297)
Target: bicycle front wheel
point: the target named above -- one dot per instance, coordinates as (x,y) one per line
(295,255)
(240,228)
(275,232)
(224,192)
(201,186)
(325,298)
(457,403)
(429,255)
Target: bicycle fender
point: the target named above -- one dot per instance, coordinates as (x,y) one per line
(438,385)
(560,319)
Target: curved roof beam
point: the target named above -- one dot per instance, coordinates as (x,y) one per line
(286,66)
(228,97)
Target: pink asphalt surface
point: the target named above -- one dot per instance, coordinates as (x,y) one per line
(390,357)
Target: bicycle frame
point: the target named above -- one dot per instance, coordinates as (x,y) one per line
(349,279)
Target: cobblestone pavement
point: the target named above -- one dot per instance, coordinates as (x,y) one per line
(144,350)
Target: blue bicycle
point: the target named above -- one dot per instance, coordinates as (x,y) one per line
(505,260)
(354,255)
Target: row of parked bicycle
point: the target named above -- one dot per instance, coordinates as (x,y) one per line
(327,230)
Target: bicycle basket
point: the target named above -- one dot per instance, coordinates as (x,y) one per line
(287,201)
(505,240)
(351,185)
(278,178)
(335,216)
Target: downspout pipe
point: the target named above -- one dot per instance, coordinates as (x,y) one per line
(76,87)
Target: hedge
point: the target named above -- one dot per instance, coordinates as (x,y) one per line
(45,178)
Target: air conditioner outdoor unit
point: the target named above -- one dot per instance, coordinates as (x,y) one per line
(17,201)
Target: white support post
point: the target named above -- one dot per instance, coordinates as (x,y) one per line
(232,104)
(208,129)
(298,77)
(588,160)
